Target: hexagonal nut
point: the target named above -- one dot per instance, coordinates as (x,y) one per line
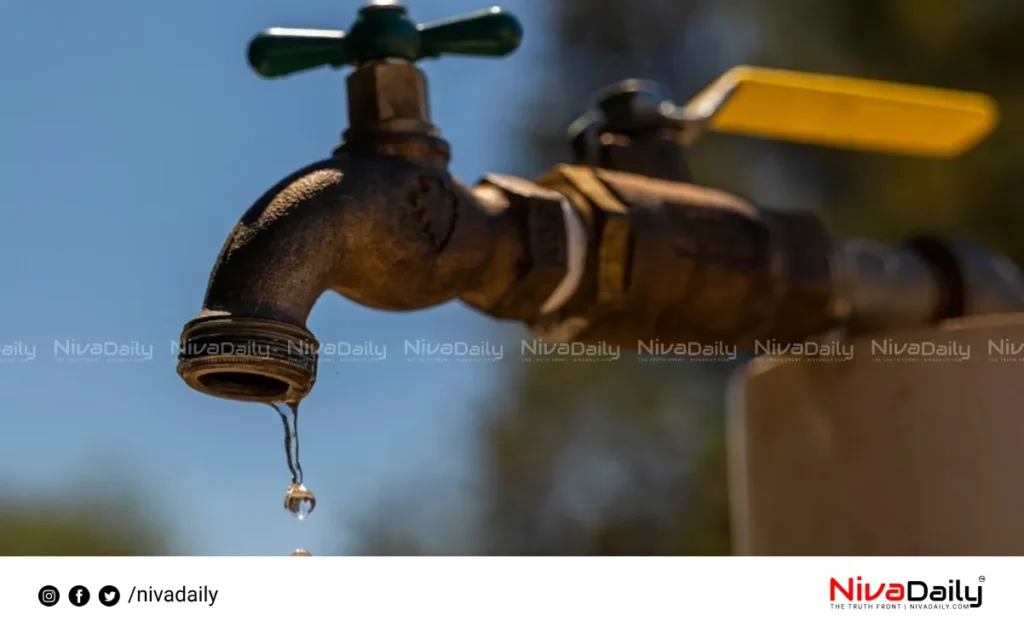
(542,225)
(613,243)
(383,91)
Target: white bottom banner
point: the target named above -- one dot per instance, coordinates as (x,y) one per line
(510,594)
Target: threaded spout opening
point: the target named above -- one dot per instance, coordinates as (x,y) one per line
(248,358)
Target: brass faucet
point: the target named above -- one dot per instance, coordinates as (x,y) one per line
(619,247)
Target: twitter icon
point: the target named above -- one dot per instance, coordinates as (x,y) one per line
(109,596)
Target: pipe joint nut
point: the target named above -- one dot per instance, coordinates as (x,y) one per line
(540,213)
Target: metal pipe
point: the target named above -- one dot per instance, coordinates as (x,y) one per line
(883,287)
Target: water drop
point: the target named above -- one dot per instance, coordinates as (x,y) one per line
(299,501)
(301,552)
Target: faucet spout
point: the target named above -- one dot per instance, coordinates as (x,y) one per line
(382,222)
(384,231)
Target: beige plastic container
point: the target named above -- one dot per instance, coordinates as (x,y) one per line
(900,450)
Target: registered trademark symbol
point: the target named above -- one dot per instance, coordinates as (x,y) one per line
(981,579)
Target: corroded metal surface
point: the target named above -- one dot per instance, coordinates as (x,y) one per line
(384,224)
(389,114)
(541,226)
(681,263)
(383,231)
(668,260)
(248,358)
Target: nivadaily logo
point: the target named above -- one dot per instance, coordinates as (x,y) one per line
(911,594)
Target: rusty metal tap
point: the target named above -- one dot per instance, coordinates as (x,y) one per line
(617,248)
(381,222)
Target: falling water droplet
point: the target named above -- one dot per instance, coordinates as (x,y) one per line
(301,552)
(299,501)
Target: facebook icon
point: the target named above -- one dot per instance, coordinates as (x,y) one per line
(79,596)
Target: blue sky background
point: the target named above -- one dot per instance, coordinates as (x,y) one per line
(132,138)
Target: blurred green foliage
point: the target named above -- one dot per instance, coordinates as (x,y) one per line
(86,525)
(605,458)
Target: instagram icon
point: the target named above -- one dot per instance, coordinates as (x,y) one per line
(49,596)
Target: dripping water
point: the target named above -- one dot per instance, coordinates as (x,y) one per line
(291,439)
(299,501)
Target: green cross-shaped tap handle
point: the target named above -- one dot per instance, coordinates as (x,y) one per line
(383,30)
